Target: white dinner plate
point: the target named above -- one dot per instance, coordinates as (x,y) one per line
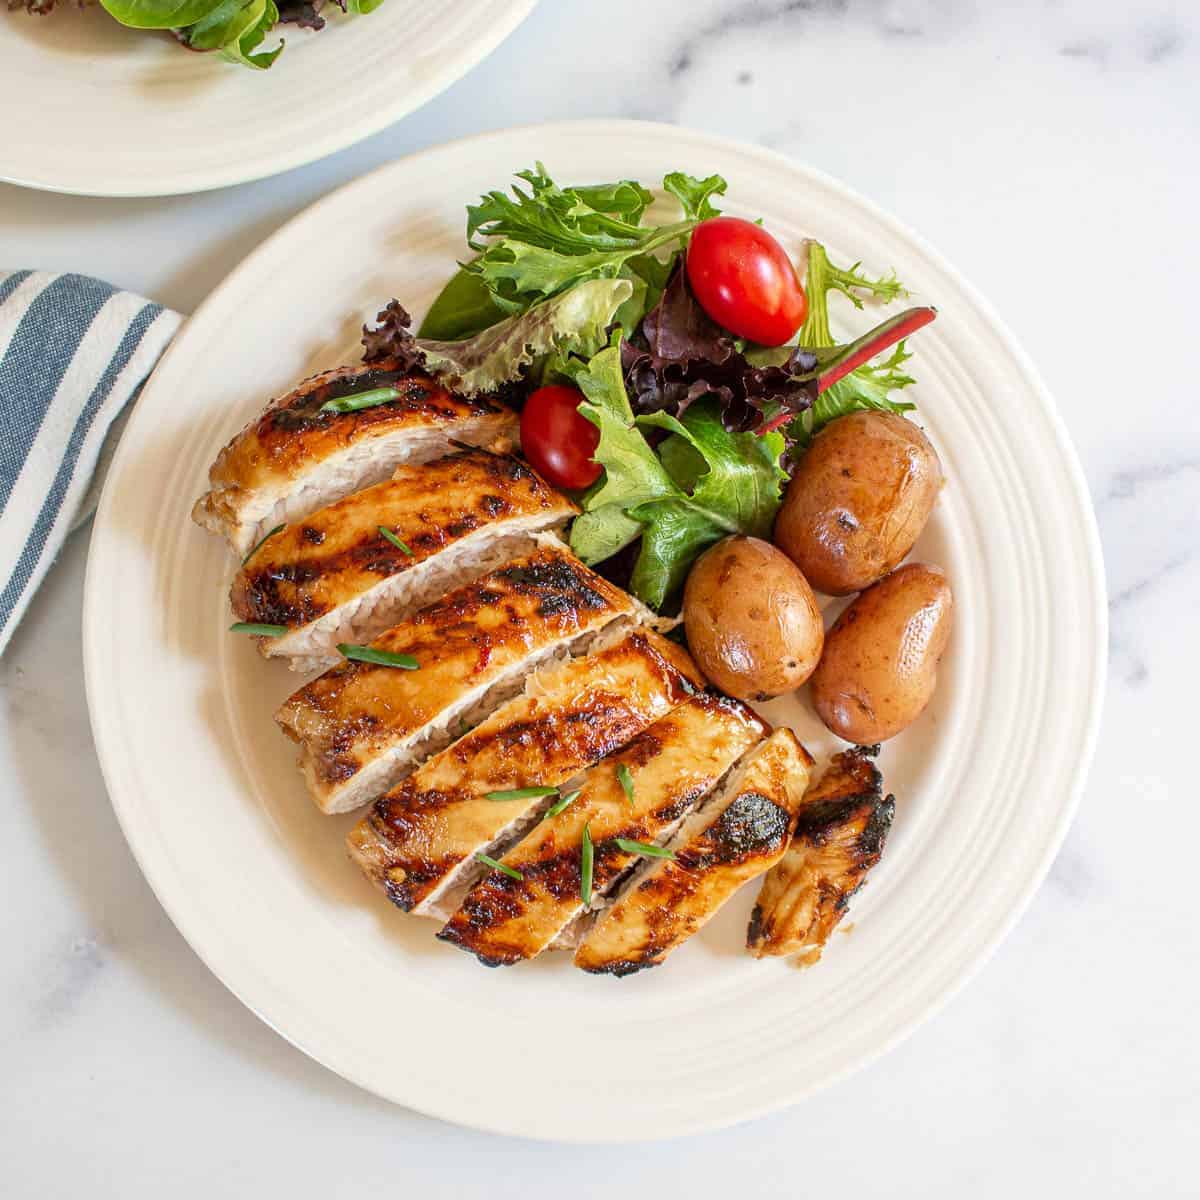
(98,109)
(257,880)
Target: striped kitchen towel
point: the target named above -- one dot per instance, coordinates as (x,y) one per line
(73,353)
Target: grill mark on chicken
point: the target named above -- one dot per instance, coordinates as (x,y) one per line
(840,835)
(673,764)
(739,833)
(304,572)
(487,633)
(294,458)
(419,834)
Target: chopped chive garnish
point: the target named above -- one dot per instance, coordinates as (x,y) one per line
(586,856)
(463,727)
(626,782)
(687,686)
(258,630)
(525,793)
(259,544)
(511,872)
(381,658)
(643,848)
(391,537)
(559,805)
(371,399)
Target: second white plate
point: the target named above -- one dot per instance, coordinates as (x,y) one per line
(258,882)
(103,110)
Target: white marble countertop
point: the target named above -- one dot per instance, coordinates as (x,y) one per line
(1052,151)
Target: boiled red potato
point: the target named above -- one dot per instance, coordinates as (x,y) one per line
(879,668)
(752,621)
(859,499)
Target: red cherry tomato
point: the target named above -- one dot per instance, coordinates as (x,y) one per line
(558,442)
(745,281)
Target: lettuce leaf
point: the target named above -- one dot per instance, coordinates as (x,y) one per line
(576,321)
(697,486)
(232,28)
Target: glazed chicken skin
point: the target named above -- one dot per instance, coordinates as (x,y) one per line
(296,458)
(362,726)
(671,766)
(337,576)
(840,835)
(742,831)
(420,839)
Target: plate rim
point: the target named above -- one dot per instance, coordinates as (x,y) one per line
(304,151)
(1075,488)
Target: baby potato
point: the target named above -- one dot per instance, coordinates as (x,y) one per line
(752,621)
(858,501)
(879,668)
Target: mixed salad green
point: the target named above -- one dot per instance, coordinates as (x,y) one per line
(673,428)
(235,29)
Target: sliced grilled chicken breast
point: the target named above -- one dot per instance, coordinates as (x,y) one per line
(296,458)
(670,766)
(840,833)
(362,727)
(420,840)
(336,576)
(738,834)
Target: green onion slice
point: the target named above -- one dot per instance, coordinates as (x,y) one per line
(391,537)
(258,630)
(559,805)
(381,658)
(511,872)
(626,782)
(586,857)
(371,399)
(259,544)
(643,848)
(525,793)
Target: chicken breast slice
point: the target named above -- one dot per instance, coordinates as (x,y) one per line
(671,766)
(295,458)
(338,577)
(420,840)
(362,727)
(840,835)
(738,834)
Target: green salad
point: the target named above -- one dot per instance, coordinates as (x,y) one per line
(669,375)
(234,29)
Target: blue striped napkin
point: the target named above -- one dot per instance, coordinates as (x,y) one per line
(73,353)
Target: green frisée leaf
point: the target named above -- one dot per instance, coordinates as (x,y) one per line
(870,386)
(578,320)
(542,238)
(695,195)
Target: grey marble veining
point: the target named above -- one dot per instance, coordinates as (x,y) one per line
(1051,149)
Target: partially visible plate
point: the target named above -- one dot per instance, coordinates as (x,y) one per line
(98,109)
(208,795)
